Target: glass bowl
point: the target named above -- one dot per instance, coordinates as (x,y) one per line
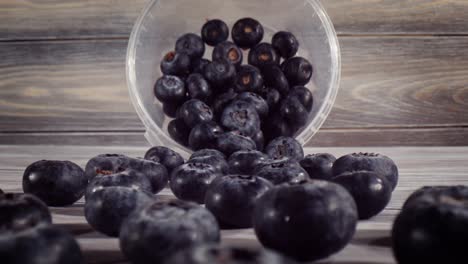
(163,21)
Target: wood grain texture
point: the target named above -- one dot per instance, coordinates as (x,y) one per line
(417,166)
(388,85)
(114,18)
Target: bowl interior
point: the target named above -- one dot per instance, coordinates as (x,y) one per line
(163,21)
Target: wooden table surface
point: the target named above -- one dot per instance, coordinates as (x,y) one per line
(418,166)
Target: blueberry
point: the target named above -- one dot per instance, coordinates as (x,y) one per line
(44,244)
(159,230)
(431,226)
(233,141)
(214,32)
(207,152)
(231,198)
(170,109)
(276,126)
(105,209)
(190,181)
(22,211)
(166,156)
(259,140)
(57,183)
(128,178)
(241,116)
(298,71)
(285,147)
(275,78)
(191,44)
(204,135)
(285,44)
(246,161)
(293,111)
(221,101)
(198,87)
(249,79)
(218,162)
(303,216)
(216,254)
(220,73)
(262,55)
(155,172)
(381,164)
(176,64)
(198,66)
(304,95)
(178,131)
(106,164)
(247,32)
(256,101)
(194,112)
(370,191)
(170,89)
(281,171)
(228,51)
(272,97)
(318,166)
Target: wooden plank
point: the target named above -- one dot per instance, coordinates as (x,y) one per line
(388,84)
(452,136)
(115,18)
(371,244)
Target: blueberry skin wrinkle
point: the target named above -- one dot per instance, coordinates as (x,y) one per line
(22,211)
(431,226)
(190,181)
(57,183)
(105,215)
(370,162)
(43,244)
(217,254)
(159,230)
(307,221)
(231,198)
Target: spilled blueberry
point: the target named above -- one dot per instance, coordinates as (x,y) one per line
(285,147)
(319,165)
(166,156)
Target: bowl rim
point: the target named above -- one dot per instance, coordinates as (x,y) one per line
(306,134)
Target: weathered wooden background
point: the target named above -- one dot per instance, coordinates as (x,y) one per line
(405,73)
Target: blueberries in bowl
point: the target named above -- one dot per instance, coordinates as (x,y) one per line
(176,64)
(190,181)
(233,141)
(22,211)
(285,147)
(247,32)
(304,96)
(166,156)
(57,183)
(198,87)
(430,228)
(292,110)
(285,44)
(198,66)
(319,165)
(204,135)
(370,191)
(298,71)
(217,254)
(249,79)
(381,164)
(228,51)
(232,198)
(260,105)
(294,219)
(160,229)
(275,79)
(178,131)
(214,32)
(191,44)
(220,73)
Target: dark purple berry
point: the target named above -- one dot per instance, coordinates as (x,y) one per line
(165,156)
(249,79)
(170,89)
(204,135)
(228,51)
(233,141)
(246,161)
(275,78)
(262,55)
(194,112)
(293,111)
(178,131)
(214,32)
(281,171)
(304,95)
(191,44)
(256,101)
(198,66)
(247,33)
(198,87)
(207,152)
(298,71)
(220,73)
(318,166)
(285,147)
(285,44)
(176,64)
(241,116)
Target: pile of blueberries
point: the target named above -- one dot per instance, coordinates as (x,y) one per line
(224,104)
(302,208)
